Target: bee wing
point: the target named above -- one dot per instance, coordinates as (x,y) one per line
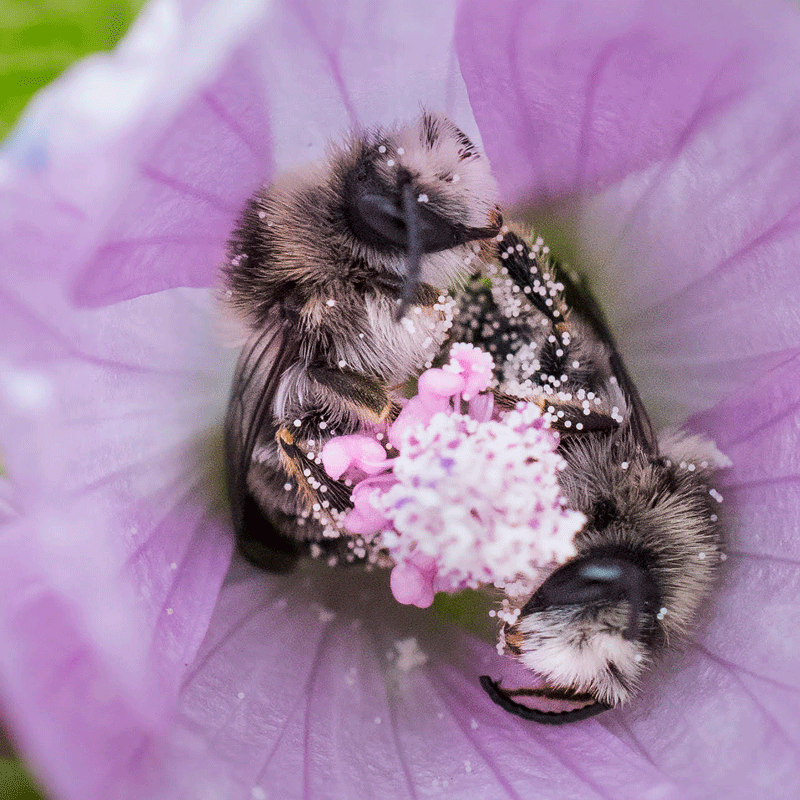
(523,268)
(582,301)
(263,360)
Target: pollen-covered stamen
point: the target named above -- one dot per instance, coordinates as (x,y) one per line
(473,498)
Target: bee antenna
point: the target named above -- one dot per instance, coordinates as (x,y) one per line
(410,209)
(498,696)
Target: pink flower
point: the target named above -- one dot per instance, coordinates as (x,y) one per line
(135,660)
(468,501)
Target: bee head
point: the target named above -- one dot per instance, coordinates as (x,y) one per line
(587,630)
(422,190)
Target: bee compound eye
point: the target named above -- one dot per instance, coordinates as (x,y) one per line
(598,578)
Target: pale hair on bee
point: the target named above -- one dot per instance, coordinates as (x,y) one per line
(338,272)
(650,550)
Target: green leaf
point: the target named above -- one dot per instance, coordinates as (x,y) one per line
(15,784)
(39,39)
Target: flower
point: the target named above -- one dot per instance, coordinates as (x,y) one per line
(133,661)
(470,499)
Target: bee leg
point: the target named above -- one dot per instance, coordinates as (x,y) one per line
(323,494)
(394,285)
(362,394)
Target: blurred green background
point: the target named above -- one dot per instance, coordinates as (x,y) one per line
(39,39)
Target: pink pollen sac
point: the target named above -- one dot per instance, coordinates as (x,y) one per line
(475,367)
(411,586)
(343,452)
(440,383)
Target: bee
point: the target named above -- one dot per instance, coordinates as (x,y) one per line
(337,272)
(651,547)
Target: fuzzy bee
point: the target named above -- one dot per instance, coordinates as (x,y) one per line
(337,272)
(650,549)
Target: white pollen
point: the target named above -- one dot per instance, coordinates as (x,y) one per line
(723,556)
(287,487)
(467,766)
(297,423)
(257,793)
(423,198)
(323,425)
(456,178)
(262,214)
(170,611)
(342,364)
(382,149)
(401,151)
(173,566)
(330,303)
(662,610)
(473,723)
(713,517)
(409,654)
(390,162)
(240,695)
(624,465)
(637,657)
(701,556)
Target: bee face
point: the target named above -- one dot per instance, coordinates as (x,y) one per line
(428,176)
(646,559)
(582,648)
(450,177)
(349,217)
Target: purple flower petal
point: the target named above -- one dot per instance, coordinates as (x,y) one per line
(684,118)
(354,718)
(131,148)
